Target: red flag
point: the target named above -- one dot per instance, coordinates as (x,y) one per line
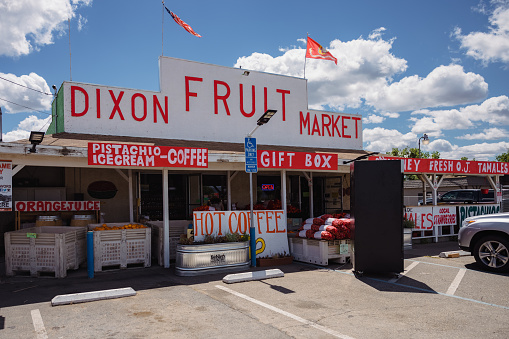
(182,23)
(315,51)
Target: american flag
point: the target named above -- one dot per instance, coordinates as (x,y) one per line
(182,23)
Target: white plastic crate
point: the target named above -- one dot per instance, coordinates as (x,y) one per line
(320,252)
(45,249)
(176,228)
(121,247)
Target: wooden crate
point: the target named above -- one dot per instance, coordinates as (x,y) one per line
(121,248)
(176,227)
(45,249)
(320,252)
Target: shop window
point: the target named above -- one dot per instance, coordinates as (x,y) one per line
(268,192)
(215,191)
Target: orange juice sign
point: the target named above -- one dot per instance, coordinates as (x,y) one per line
(270,226)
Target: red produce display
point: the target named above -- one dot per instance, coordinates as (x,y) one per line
(318,221)
(324,235)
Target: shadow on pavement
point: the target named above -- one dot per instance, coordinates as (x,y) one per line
(19,290)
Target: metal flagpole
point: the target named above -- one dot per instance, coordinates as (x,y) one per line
(70,59)
(162,29)
(305,59)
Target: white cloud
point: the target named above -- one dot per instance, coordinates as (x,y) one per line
(487,134)
(373,119)
(494,111)
(363,66)
(364,75)
(444,86)
(26,25)
(26,94)
(481,152)
(32,123)
(391,115)
(383,140)
(82,21)
(377,33)
(491,46)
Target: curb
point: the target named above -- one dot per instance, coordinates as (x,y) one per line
(250,276)
(76,298)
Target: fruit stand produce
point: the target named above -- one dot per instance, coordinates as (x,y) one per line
(322,239)
(45,249)
(120,245)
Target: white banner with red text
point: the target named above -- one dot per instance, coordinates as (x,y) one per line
(412,165)
(204,102)
(110,154)
(270,226)
(427,217)
(5,185)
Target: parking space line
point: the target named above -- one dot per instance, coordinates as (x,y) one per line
(401,275)
(287,314)
(40,330)
(414,287)
(456,282)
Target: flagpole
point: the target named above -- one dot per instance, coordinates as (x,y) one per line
(70,58)
(162,28)
(305,55)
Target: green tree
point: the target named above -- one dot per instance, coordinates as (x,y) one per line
(504,157)
(413,153)
(464,158)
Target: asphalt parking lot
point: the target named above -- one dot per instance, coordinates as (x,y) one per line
(434,297)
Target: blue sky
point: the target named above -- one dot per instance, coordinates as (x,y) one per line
(409,67)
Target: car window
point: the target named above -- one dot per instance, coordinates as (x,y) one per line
(465,196)
(449,196)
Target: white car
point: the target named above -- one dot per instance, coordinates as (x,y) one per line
(487,238)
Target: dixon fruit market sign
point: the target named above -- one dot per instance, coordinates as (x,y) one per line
(205,102)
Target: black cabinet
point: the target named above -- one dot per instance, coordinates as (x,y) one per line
(377,210)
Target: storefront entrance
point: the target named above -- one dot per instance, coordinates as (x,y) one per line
(185,193)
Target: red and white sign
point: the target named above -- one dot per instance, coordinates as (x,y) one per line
(443,215)
(206,102)
(297,160)
(426,217)
(108,154)
(270,226)
(421,216)
(5,185)
(412,165)
(57,206)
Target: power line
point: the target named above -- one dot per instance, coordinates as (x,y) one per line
(25,106)
(15,83)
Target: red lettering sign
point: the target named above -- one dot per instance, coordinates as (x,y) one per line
(109,154)
(412,165)
(297,160)
(57,206)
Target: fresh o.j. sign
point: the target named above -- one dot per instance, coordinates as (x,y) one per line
(412,165)
(146,156)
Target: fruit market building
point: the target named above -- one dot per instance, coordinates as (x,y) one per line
(121,146)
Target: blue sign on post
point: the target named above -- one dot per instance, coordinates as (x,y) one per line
(251,158)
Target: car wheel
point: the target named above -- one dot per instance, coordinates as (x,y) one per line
(492,252)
